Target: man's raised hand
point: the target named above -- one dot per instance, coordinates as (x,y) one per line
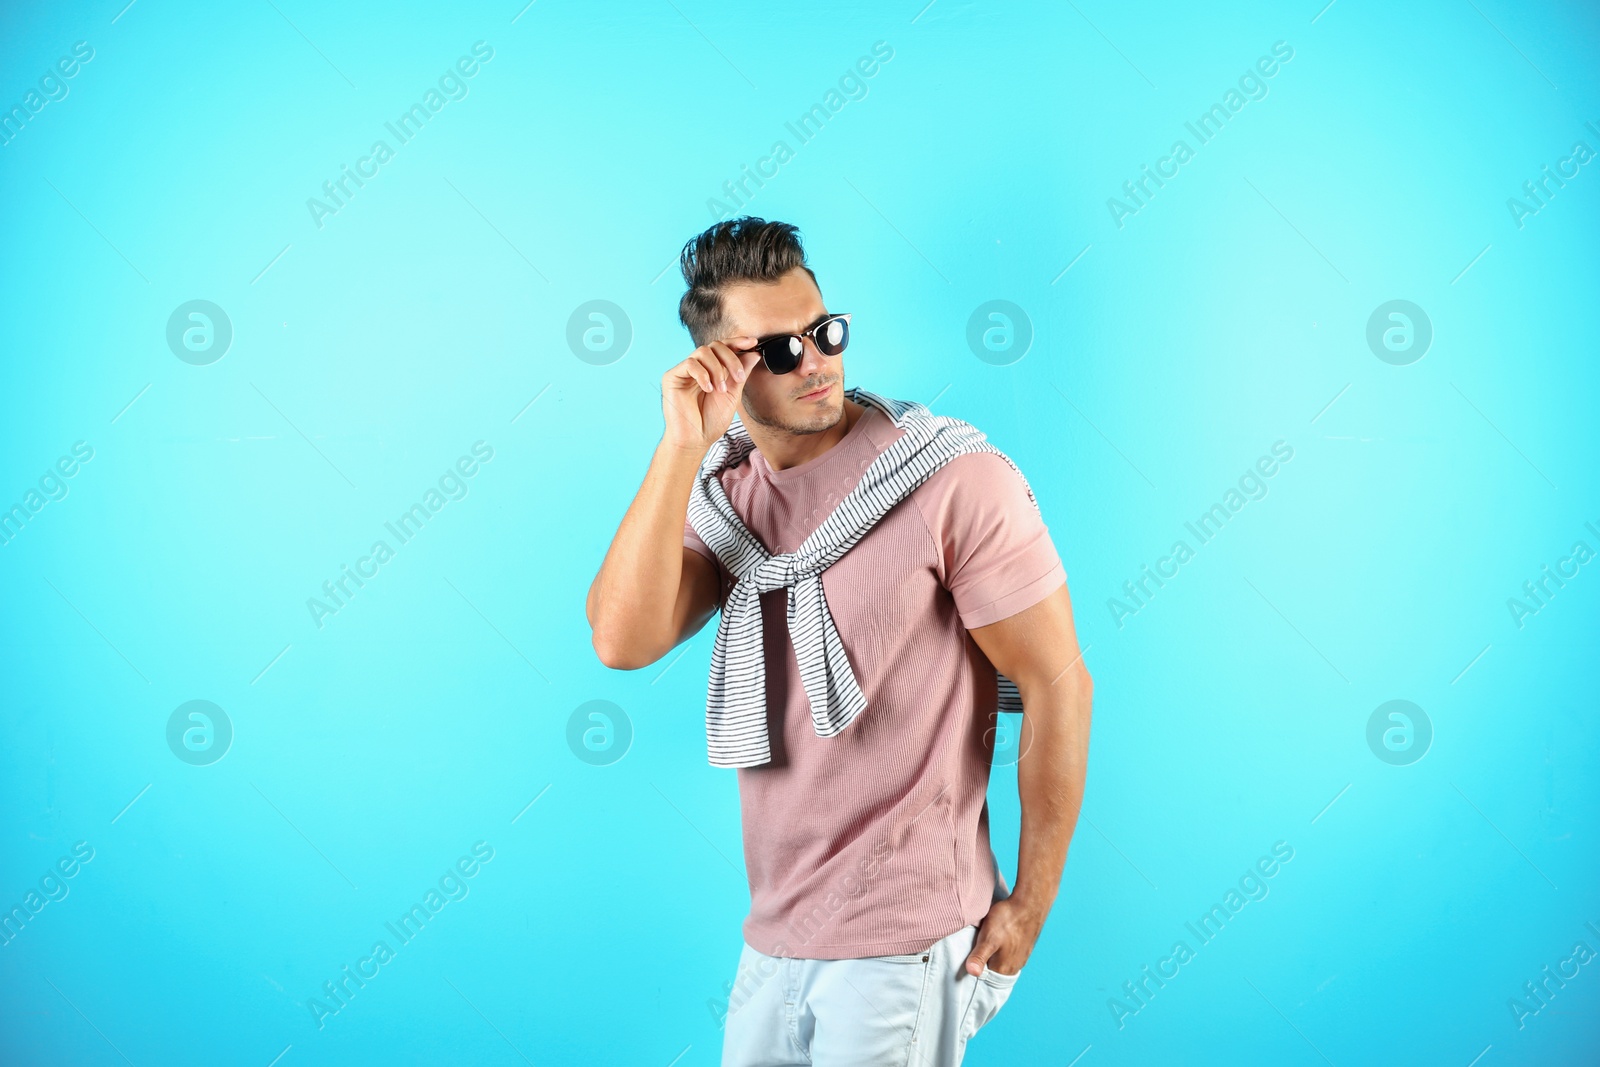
(698,396)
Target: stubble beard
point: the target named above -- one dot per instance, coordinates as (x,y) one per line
(815,421)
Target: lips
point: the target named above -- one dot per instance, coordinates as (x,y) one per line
(819,393)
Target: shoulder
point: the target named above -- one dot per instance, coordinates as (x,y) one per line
(877,428)
(977,475)
(972,492)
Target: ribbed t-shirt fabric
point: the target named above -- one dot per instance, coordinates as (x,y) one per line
(876,841)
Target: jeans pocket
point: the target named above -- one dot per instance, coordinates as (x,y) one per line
(991,994)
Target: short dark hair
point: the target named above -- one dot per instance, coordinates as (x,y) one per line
(735,250)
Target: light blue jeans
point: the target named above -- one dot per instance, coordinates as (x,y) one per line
(915,1010)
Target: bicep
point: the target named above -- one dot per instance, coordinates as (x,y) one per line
(1037,645)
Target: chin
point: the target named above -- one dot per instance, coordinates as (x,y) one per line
(814,416)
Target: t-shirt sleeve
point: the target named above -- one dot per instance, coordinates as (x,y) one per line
(995,552)
(692,540)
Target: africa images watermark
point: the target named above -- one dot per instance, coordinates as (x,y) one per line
(53,888)
(851,886)
(451,886)
(1252,886)
(452,85)
(338,592)
(1252,86)
(52,486)
(1531,602)
(852,86)
(53,88)
(1537,996)
(1537,194)
(1252,486)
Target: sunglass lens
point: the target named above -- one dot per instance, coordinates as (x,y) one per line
(833,336)
(782,354)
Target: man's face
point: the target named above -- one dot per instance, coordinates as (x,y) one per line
(778,401)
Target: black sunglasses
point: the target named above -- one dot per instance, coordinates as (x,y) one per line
(782,352)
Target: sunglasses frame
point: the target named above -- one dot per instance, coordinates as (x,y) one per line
(811,332)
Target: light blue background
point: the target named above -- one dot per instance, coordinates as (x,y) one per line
(428,314)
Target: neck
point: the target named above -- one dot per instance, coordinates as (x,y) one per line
(782,449)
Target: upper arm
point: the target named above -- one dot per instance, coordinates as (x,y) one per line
(1038,646)
(997,559)
(699,596)
(993,551)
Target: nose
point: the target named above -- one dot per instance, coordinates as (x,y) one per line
(812,359)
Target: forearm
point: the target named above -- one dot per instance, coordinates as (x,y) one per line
(1050,782)
(632,600)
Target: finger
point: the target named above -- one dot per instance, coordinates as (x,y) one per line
(746,354)
(715,364)
(684,373)
(705,357)
(728,352)
(693,368)
(741,347)
(749,363)
(729,363)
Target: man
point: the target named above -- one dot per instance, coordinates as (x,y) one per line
(880,929)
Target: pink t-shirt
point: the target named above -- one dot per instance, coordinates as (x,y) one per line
(875,841)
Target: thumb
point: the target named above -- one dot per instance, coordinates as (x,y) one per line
(985,947)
